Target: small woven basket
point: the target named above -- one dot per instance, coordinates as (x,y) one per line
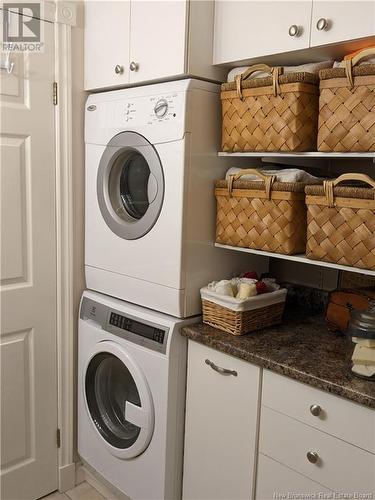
(276,113)
(347,107)
(341,222)
(268,215)
(241,322)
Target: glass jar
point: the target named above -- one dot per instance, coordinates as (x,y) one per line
(361,333)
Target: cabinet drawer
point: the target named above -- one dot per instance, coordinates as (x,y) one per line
(342,418)
(221,426)
(275,480)
(341,466)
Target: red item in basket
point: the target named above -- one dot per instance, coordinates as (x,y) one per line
(251,275)
(261,287)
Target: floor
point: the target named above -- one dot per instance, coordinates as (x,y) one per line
(81,492)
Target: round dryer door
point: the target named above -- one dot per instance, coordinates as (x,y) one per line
(130,185)
(118,400)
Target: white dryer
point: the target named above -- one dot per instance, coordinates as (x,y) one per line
(151,161)
(131,393)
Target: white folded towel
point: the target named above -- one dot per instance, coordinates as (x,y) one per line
(282,175)
(308,68)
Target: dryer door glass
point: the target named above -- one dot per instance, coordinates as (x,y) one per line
(109,390)
(134,180)
(130,185)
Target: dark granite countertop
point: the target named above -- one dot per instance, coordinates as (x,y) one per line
(302,348)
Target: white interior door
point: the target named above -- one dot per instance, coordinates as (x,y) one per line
(28,275)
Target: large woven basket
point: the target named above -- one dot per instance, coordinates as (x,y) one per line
(341,222)
(276,113)
(268,215)
(347,107)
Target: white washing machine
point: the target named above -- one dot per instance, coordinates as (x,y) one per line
(151,161)
(131,396)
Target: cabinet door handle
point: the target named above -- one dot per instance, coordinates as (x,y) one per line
(312,457)
(119,69)
(219,369)
(294,30)
(322,24)
(315,410)
(134,66)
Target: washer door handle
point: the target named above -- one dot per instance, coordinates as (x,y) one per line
(136,415)
(152,188)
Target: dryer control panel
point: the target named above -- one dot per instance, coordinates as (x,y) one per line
(136,327)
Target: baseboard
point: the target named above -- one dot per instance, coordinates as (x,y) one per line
(109,492)
(67,477)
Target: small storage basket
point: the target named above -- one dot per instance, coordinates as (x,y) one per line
(341,222)
(276,113)
(268,215)
(252,314)
(347,107)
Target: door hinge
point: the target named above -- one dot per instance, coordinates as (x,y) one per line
(55,93)
(58,438)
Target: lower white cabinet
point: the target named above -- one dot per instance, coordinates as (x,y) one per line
(292,440)
(221,426)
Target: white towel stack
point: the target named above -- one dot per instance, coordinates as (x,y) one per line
(282,175)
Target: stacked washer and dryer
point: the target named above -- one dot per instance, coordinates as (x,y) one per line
(151,159)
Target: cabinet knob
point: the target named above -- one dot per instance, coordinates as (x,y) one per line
(134,66)
(119,69)
(322,24)
(315,410)
(294,30)
(312,457)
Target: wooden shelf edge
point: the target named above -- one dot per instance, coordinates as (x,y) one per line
(298,258)
(307,154)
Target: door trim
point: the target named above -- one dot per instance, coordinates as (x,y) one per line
(69,281)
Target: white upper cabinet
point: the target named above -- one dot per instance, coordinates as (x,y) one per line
(134,41)
(157,39)
(106,43)
(248,29)
(336,21)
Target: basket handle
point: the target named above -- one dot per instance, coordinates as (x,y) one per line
(274,72)
(268,179)
(350,63)
(330,184)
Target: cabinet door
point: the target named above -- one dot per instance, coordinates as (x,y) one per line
(244,30)
(221,426)
(106,43)
(158,32)
(336,21)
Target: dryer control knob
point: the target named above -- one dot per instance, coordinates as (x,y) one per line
(161,108)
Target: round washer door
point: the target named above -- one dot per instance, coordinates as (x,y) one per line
(130,185)
(118,400)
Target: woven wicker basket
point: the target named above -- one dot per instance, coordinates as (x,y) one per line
(341,222)
(347,107)
(277,113)
(268,215)
(241,322)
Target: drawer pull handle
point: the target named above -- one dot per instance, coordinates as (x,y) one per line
(312,457)
(219,369)
(315,410)
(322,24)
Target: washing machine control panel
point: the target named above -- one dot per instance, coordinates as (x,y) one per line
(158,110)
(136,327)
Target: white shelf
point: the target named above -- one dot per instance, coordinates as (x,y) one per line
(299,258)
(309,154)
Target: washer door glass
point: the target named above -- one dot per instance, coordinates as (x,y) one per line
(130,185)
(109,390)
